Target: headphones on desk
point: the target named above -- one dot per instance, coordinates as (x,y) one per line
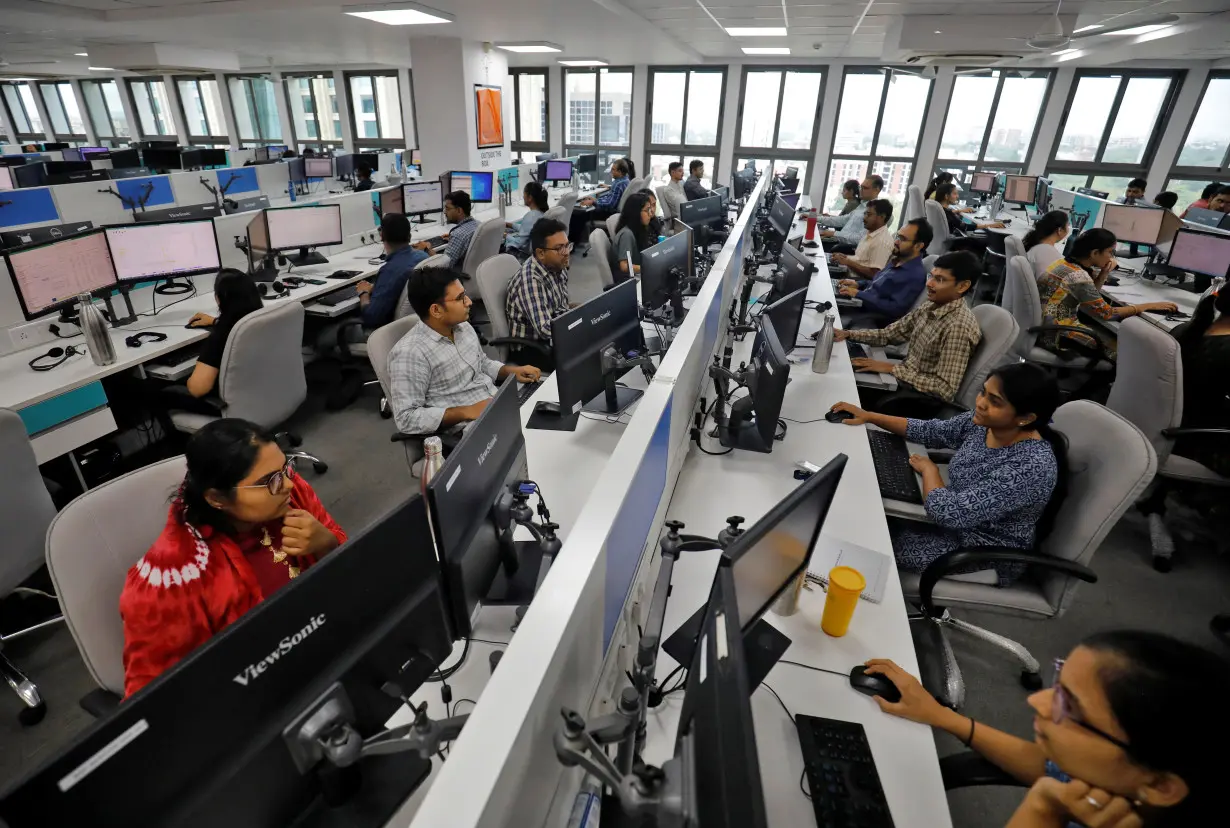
(136,339)
(272,290)
(60,355)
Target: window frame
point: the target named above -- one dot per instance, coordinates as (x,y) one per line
(774,153)
(112,133)
(250,101)
(296,141)
(183,110)
(21,137)
(1096,168)
(683,149)
(362,143)
(136,110)
(597,147)
(1188,171)
(521,145)
(41,87)
(981,163)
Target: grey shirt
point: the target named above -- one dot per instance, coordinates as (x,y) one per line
(429,373)
(625,243)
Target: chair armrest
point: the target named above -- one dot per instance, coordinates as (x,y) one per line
(1097,354)
(100,703)
(1172,433)
(533,344)
(918,405)
(961,558)
(342,345)
(969,769)
(179,398)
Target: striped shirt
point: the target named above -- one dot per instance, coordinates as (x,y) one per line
(535,297)
(941,338)
(850,228)
(875,249)
(430,373)
(459,240)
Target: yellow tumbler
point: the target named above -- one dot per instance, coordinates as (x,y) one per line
(845,585)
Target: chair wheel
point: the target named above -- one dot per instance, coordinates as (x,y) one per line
(1162,564)
(30,716)
(1031,681)
(320,468)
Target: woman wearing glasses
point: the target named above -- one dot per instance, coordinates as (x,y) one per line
(241,526)
(1126,737)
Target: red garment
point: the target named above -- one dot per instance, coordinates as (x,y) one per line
(1202,203)
(190,585)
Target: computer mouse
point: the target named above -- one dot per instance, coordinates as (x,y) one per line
(870,684)
(838,416)
(547,407)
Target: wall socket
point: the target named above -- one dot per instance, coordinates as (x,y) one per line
(29,335)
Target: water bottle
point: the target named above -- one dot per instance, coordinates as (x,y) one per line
(433,461)
(290,191)
(824,346)
(94,326)
(787,603)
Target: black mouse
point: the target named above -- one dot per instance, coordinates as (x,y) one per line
(838,416)
(870,684)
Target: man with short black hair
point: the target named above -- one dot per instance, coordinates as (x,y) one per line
(539,293)
(941,333)
(671,194)
(364,174)
(379,301)
(439,377)
(456,211)
(875,248)
(1135,191)
(847,231)
(894,290)
(692,188)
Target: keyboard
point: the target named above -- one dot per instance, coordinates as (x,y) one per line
(178,357)
(337,297)
(436,241)
(892,462)
(526,390)
(856,350)
(841,774)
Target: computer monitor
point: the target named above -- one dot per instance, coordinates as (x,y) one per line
(165,250)
(422,198)
(30,175)
(123,159)
(46,233)
(162,159)
(663,268)
(787,184)
(392,200)
(189,212)
(416,158)
(1225,221)
(1021,189)
(276,151)
(585,341)
(213,158)
(344,165)
(781,217)
(722,192)
(792,199)
(480,562)
(702,212)
(1091,192)
(983,183)
(1042,196)
(1133,225)
(362,625)
(304,229)
(796,272)
(371,159)
(71,154)
(1199,215)
(743,182)
(752,423)
(787,316)
(587,163)
(47,277)
(6,179)
(95,153)
(545,156)
(295,170)
(559,171)
(1206,254)
(190,158)
(318,167)
(475,184)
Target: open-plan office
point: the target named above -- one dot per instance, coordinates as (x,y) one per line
(681,578)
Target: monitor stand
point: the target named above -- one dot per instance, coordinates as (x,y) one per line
(266,271)
(306,257)
(517,588)
(741,430)
(614,400)
(421,218)
(763,645)
(384,783)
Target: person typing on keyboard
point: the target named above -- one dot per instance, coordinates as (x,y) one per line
(439,376)
(539,293)
(457,208)
(894,289)
(237,296)
(1006,480)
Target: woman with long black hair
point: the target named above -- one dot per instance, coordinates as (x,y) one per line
(1205,344)
(237,296)
(631,235)
(1042,242)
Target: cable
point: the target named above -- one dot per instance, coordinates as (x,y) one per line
(445,675)
(789,715)
(156,310)
(817,669)
(458,703)
(803,776)
(802,422)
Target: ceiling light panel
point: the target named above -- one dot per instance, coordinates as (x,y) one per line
(581,62)
(399,14)
(766,50)
(533,47)
(756,31)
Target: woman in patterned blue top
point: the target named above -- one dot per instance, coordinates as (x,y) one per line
(1005,481)
(1131,735)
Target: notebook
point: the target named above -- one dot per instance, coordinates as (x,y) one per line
(872,565)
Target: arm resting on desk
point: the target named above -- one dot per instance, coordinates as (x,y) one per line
(959,559)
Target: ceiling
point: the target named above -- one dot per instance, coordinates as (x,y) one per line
(41,38)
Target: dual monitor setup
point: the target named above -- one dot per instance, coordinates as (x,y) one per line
(276,230)
(419,199)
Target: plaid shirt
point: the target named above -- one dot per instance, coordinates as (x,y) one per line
(429,373)
(610,198)
(941,338)
(535,297)
(459,240)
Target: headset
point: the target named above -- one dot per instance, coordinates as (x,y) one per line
(60,355)
(136,339)
(272,289)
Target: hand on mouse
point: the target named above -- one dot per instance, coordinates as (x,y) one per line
(916,703)
(200,320)
(860,416)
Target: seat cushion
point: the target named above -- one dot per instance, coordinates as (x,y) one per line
(1022,598)
(188,422)
(1184,468)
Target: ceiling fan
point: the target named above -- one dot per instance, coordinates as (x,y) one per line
(1050,36)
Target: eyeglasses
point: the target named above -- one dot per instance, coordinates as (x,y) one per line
(460,297)
(900,237)
(277,481)
(1061,711)
(563,248)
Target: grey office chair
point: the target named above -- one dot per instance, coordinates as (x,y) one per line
(1110,462)
(91,545)
(913,207)
(261,377)
(379,343)
(612,225)
(1021,299)
(934,214)
(1013,246)
(1148,391)
(494,276)
(25,511)
(558,213)
(600,244)
(634,186)
(567,201)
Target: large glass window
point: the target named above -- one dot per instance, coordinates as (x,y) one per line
(879,122)
(1206,147)
(685,118)
(599,107)
(255,106)
(102,104)
(149,96)
(201,104)
(314,113)
(375,111)
(992,120)
(61,104)
(1112,124)
(530,127)
(19,101)
(778,118)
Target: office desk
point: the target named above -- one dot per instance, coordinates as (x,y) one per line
(1134,289)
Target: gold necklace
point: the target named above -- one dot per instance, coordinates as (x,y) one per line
(279,555)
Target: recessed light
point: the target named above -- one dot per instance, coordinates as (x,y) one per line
(756,31)
(581,62)
(1087,28)
(1073,55)
(1135,30)
(81,54)
(937,31)
(536,46)
(766,50)
(1062,52)
(399,14)
(101,69)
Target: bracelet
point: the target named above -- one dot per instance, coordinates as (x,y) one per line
(970,738)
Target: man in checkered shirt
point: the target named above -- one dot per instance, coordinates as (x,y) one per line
(539,293)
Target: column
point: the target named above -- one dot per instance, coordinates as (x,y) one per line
(228,112)
(833,79)
(342,91)
(177,109)
(933,125)
(557,118)
(279,95)
(408,116)
(1048,127)
(91,134)
(48,130)
(1180,117)
(727,130)
(640,115)
(130,110)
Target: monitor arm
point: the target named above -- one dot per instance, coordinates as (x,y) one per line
(128,203)
(512,507)
(614,363)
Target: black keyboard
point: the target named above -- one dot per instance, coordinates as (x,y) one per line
(436,241)
(856,350)
(892,462)
(841,774)
(337,297)
(179,356)
(526,390)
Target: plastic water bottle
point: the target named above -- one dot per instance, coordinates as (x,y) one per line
(290,191)
(94,326)
(824,346)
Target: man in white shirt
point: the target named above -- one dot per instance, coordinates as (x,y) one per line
(876,247)
(671,194)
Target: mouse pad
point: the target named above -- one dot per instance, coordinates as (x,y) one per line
(552,422)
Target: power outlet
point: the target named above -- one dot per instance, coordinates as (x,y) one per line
(29,335)
(21,338)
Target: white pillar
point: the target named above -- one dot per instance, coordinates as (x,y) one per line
(279,95)
(177,109)
(833,79)
(228,112)
(1171,144)
(91,135)
(130,109)
(342,91)
(557,116)
(406,93)
(933,125)
(1048,127)
(640,114)
(36,93)
(725,162)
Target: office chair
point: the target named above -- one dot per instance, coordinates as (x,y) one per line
(1013,246)
(1148,392)
(567,201)
(260,379)
(485,244)
(494,276)
(90,547)
(558,213)
(379,344)
(634,186)
(27,511)
(612,226)
(600,244)
(913,207)
(1110,462)
(934,214)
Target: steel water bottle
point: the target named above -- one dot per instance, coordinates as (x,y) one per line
(824,346)
(94,326)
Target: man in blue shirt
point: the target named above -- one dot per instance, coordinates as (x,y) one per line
(605,205)
(894,290)
(379,301)
(845,232)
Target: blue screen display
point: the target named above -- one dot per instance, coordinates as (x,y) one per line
(477,184)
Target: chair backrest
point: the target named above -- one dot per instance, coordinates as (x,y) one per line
(567,201)
(403,304)
(998,333)
(913,207)
(612,222)
(558,213)
(1013,246)
(493,278)
(939,226)
(1022,301)
(382,340)
(634,186)
(485,244)
(25,504)
(600,252)
(1148,389)
(1110,463)
(92,544)
(261,376)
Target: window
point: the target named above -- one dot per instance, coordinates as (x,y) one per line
(992,120)
(313,110)
(102,103)
(599,104)
(19,101)
(375,111)
(1205,156)
(61,104)
(530,125)
(255,108)
(1112,125)
(685,119)
(778,118)
(879,121)
(149,96)
(201,105)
